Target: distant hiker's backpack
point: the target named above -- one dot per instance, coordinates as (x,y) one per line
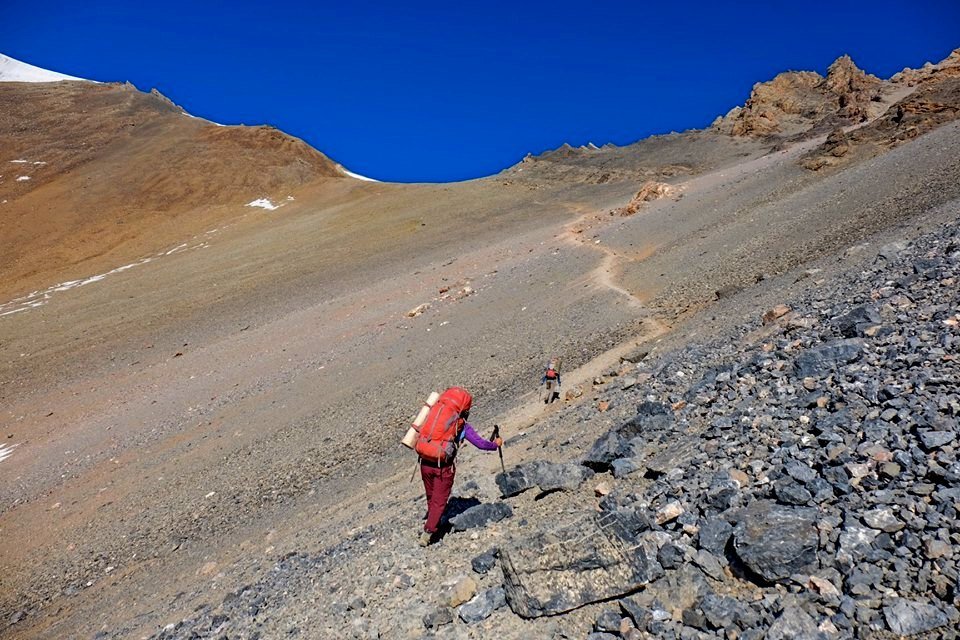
(551,374)
(440,432)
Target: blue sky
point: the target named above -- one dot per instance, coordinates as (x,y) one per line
(436,91)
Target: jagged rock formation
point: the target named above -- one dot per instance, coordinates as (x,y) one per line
(649,191)
(934,101)
(796,102)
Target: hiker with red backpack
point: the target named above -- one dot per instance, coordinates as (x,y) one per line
(551,379)
(439,438)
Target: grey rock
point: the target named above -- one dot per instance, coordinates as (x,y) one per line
(565,567)
(794,623)
(709,564)
(622,467)
(609,621)
(936,439)
(852,323)
(638,614)
(774,541)
(548,476)
(484,562)
(481,515)
(908,617)
(438,617)
(482,605)
(882,519)
(821,359)
(714,535)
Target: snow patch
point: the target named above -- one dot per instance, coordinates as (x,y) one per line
(15,71)
(356,176)
(263,203)
(19,161)
(41,297)
(190,115)
(23,178)
(6,451)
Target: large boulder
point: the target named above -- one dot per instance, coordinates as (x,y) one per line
(823,358)
(588,560)
(481,515)
(907,617)
(775,541)
(619,442)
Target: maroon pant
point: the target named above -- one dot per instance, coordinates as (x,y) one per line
(438,483)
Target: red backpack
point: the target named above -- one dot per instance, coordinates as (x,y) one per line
(551,373)
(440,432)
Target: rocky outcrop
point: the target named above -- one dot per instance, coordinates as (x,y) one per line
(650,190)
(934,101)
(796,102)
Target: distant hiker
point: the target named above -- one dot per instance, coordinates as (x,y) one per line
(440,436)
(551,380)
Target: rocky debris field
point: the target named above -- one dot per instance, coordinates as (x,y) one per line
(796,478)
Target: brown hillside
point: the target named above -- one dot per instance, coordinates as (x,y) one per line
(110,170)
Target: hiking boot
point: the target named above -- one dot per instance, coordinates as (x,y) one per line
(425,538)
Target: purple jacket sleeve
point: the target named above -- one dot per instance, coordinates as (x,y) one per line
(477,440)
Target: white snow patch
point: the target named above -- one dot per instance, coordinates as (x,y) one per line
(23,178)
(6,451)
(41,297)
(190,115)
(15,71)
(263,203)
(19,161)
(356,176)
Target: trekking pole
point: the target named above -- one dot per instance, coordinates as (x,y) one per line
(415,465)
(496,434)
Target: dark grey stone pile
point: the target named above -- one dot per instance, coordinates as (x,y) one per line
(800,483)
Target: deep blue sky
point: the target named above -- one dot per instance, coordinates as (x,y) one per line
(453,90)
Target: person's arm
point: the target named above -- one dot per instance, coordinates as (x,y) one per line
(477,440)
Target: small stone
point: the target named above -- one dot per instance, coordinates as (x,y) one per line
(937,549)
(483,605)
(775,313)
(608,621)
(936,439)
(417,310)
(460,591)
(882,519)
(823,586)
(437,618)
(668,512)
(601,489)
(484,562)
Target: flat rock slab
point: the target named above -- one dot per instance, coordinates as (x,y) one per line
(590,559)
(775,541)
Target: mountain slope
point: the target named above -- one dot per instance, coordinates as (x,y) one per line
(107,174)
